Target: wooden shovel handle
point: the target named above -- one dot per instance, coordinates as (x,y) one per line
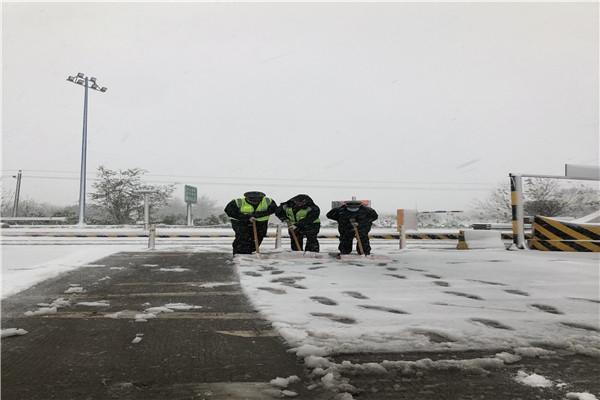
(293,234)
(255,236)
(360,247)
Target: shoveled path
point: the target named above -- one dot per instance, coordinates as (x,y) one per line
(221,349)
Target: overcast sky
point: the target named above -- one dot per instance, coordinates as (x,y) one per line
(426,105)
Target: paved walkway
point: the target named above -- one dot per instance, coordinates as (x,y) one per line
(222,349)
(214,345)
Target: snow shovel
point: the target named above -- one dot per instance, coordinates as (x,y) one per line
(255,236)
(293,235)
(360,247)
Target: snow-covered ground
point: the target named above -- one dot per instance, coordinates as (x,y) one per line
(519,303)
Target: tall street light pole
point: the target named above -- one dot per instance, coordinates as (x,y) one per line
(83,80)
(17,193)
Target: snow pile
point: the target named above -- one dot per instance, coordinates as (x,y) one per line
(144,317)
(533,380)
(284,382)
(75,288)
(13,332)
(211,285)
(138,338)
(41,311)
(174,269)
(99,303)
(58,303)
(581,396)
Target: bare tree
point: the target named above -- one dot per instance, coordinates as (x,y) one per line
(117,199)
(8,198)
(541,196)
(497,206)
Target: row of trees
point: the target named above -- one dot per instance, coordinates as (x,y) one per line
(116,200)
(541,196)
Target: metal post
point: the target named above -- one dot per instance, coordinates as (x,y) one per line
(278,237)
(516,194)
(81,220)
(152,237)
(17,193)
(402,237)
(189,215)
(146,193)
(146,211)
(82,80)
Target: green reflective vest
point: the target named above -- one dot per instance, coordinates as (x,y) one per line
(300,215)
(248,208)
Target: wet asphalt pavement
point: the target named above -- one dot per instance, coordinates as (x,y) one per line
(214,346)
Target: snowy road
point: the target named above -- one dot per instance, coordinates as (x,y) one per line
(528,303)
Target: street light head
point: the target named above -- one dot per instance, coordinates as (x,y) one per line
(93,79)
(80,81)
(71,79)
(80,75)
(95,87)
(103,89)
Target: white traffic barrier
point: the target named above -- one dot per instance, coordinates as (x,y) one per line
(476,239)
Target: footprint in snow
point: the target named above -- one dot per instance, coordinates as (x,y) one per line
(433,337)
(491,323)
(356,295)
(546,308)
(273,290)
(468,296)
(580,326)
(584,299)
(517,292)
(290,281)
(324,300)
(380,308)
(487,282)
(336,318)
(396,276)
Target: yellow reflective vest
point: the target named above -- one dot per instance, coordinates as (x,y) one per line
(247,208)
(300,215)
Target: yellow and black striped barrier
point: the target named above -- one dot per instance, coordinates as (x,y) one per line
(412,236)
(432,236)
(553,235)
(425,236)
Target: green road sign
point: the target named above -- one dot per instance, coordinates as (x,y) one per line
(191,194)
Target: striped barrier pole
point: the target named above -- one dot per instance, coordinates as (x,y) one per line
(516,200)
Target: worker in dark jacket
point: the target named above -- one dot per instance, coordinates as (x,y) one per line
(255,208)
(302,216)
(349,215)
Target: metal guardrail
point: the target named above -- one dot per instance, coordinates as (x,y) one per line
(61,219)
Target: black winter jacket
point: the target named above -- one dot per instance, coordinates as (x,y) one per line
(233,211)
(364,217)
(312,214)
